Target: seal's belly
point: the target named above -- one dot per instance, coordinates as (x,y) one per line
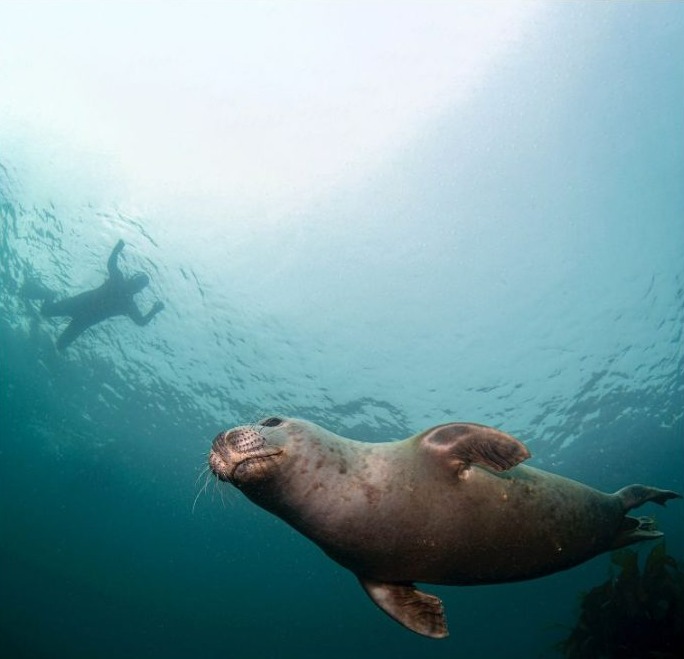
(484,529)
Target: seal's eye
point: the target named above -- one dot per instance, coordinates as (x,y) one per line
(271,422)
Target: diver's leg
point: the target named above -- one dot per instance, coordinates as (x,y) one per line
(70,334)
(49,308)
(71,306)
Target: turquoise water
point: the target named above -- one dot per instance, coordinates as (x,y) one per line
(519,263)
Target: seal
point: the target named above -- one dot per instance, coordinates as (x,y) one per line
(451,505)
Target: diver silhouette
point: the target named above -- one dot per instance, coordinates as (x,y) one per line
(113,298)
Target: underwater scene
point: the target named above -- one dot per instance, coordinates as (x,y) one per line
(378,218)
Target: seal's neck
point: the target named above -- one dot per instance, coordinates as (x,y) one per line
(323,487)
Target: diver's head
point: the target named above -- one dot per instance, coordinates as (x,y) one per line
(137,282)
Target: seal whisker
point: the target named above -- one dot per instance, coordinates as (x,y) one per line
(221,490)
(211,477)
(194,503)
(207,477)
(203,472)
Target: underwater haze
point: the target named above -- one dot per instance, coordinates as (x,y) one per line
(378,217)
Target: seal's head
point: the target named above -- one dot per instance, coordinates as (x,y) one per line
(242,455)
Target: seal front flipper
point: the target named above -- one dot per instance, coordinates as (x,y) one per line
(459,445)
(419,612)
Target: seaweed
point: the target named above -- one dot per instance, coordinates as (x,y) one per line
(635,614)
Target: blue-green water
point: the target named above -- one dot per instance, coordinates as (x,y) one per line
(520,263)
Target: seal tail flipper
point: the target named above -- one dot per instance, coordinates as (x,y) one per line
(417,611)
(633,496)
(635,529)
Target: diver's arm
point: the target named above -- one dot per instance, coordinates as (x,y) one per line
(135,315)
(112,266)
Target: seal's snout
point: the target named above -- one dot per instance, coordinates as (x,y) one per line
(241,455)
(219,466)
(220,461)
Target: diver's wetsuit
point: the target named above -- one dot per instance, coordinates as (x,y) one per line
(113,298)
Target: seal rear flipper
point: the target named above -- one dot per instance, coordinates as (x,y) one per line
(635,529)
(419,612)
(461,444)
(634,496)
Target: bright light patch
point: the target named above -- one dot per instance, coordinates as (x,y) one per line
(256,102)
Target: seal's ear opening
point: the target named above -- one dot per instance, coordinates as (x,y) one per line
(461,444)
